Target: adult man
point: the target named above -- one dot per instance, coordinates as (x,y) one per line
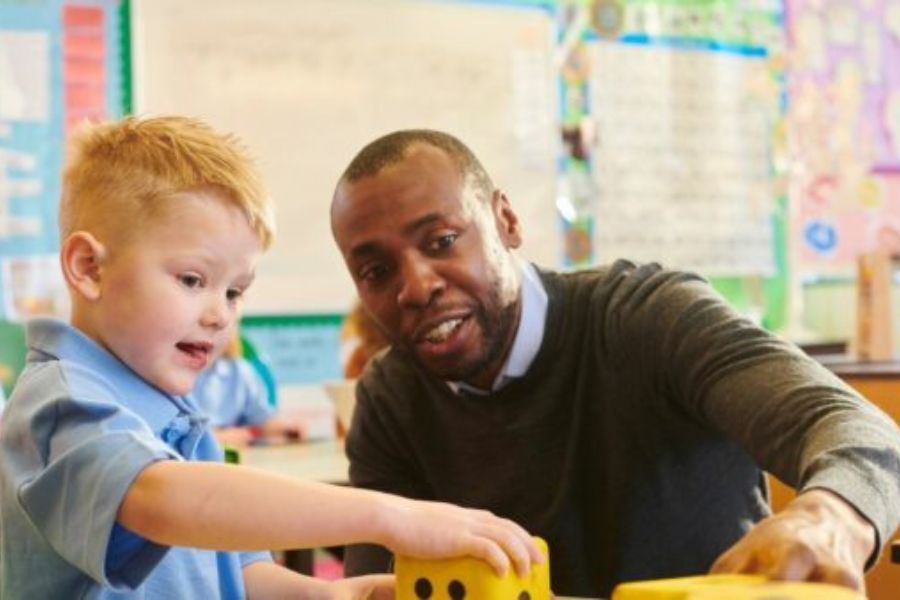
(620,413)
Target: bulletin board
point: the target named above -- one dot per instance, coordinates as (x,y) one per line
(685,103)
(844,87)
(307,84)
(60,63)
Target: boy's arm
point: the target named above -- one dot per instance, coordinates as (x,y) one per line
(225,507)
(268,580)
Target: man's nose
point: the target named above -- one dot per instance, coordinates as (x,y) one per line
(419,284)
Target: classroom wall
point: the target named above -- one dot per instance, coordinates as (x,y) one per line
(307,83)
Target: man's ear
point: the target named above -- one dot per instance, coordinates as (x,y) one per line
(508,226)
(81,258)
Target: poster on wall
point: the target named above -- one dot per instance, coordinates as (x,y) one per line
(687,106)
(844,117)
(59,65)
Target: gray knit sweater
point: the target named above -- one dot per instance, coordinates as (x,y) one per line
(632,443)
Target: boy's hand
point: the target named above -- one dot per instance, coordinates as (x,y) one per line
(817,537)
(367,587)
(438,530)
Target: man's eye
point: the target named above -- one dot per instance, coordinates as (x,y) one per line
(444,241)
(374,273)
(191,281)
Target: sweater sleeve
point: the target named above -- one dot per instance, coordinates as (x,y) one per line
(797,419)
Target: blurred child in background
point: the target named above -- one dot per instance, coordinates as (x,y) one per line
(235,398)
(362,339)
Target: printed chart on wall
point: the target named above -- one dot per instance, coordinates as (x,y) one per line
(58,65)
(845,130)
(687,105)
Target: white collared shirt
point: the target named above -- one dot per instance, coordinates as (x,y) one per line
(529,334)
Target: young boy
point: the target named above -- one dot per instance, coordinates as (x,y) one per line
(110,483)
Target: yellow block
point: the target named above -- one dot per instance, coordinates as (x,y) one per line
(730,587)
(469,579)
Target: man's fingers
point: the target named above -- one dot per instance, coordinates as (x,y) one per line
(795,563)
(734,561)
(838,575)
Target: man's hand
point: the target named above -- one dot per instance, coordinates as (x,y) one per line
(817,537)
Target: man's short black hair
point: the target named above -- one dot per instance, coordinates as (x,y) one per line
(393,147)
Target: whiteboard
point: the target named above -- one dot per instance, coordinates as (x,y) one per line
(306,83)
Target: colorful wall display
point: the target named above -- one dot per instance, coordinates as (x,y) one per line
(844,128)
(59,64)
(677,108)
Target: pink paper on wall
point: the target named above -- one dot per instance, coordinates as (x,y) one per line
(843,128)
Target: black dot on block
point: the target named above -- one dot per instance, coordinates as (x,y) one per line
(456,590)
(423,588)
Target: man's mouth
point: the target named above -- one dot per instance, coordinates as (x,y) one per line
(442,331)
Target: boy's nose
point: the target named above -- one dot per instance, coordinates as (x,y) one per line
(217,314)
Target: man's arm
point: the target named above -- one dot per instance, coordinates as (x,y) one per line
(795,418)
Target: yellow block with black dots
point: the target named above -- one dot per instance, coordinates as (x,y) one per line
(469,579)
(730,587)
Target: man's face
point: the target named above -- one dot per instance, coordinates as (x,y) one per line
(432,263)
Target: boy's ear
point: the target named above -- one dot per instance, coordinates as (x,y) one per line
(81,257)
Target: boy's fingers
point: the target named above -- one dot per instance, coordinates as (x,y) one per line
(490,552)
(513,546)
(515,541)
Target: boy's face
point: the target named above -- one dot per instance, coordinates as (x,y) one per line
(169,300)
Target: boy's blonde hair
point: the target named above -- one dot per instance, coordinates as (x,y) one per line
(120,173)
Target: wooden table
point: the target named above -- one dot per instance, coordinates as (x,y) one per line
(315,461)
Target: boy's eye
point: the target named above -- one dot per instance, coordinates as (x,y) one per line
(190,280)
(234,294)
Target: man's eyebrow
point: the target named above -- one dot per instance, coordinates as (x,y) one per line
(371,247)
(422,221)
(364,249)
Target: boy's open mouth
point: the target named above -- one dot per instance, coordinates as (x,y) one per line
(196,350)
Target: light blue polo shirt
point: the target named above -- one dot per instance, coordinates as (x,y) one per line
(78,428)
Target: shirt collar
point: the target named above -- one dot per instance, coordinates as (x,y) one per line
(56,339)
(529,334)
